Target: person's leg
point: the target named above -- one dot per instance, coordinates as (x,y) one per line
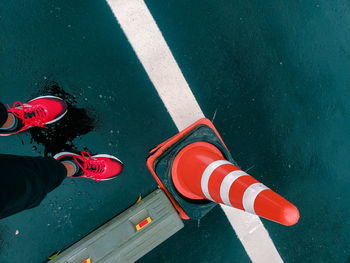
(25,181)
(3,114)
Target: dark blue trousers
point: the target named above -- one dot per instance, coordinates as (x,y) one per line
(25,181)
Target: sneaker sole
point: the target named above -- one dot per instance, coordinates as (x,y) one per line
(56,156)
(7,134)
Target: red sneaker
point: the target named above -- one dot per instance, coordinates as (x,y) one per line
(99,167)
(35,113)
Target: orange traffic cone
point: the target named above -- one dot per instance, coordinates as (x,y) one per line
(200,171)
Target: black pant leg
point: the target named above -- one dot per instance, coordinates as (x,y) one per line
(3,114)
(25,181)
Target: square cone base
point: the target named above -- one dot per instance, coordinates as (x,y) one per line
(162,157)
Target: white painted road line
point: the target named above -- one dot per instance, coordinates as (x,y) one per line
(162,69)
(157,59)
(253,235)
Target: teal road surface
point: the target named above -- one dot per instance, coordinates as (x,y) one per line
(273,77)
(276,77)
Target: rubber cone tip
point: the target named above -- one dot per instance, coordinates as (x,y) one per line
(290,215)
